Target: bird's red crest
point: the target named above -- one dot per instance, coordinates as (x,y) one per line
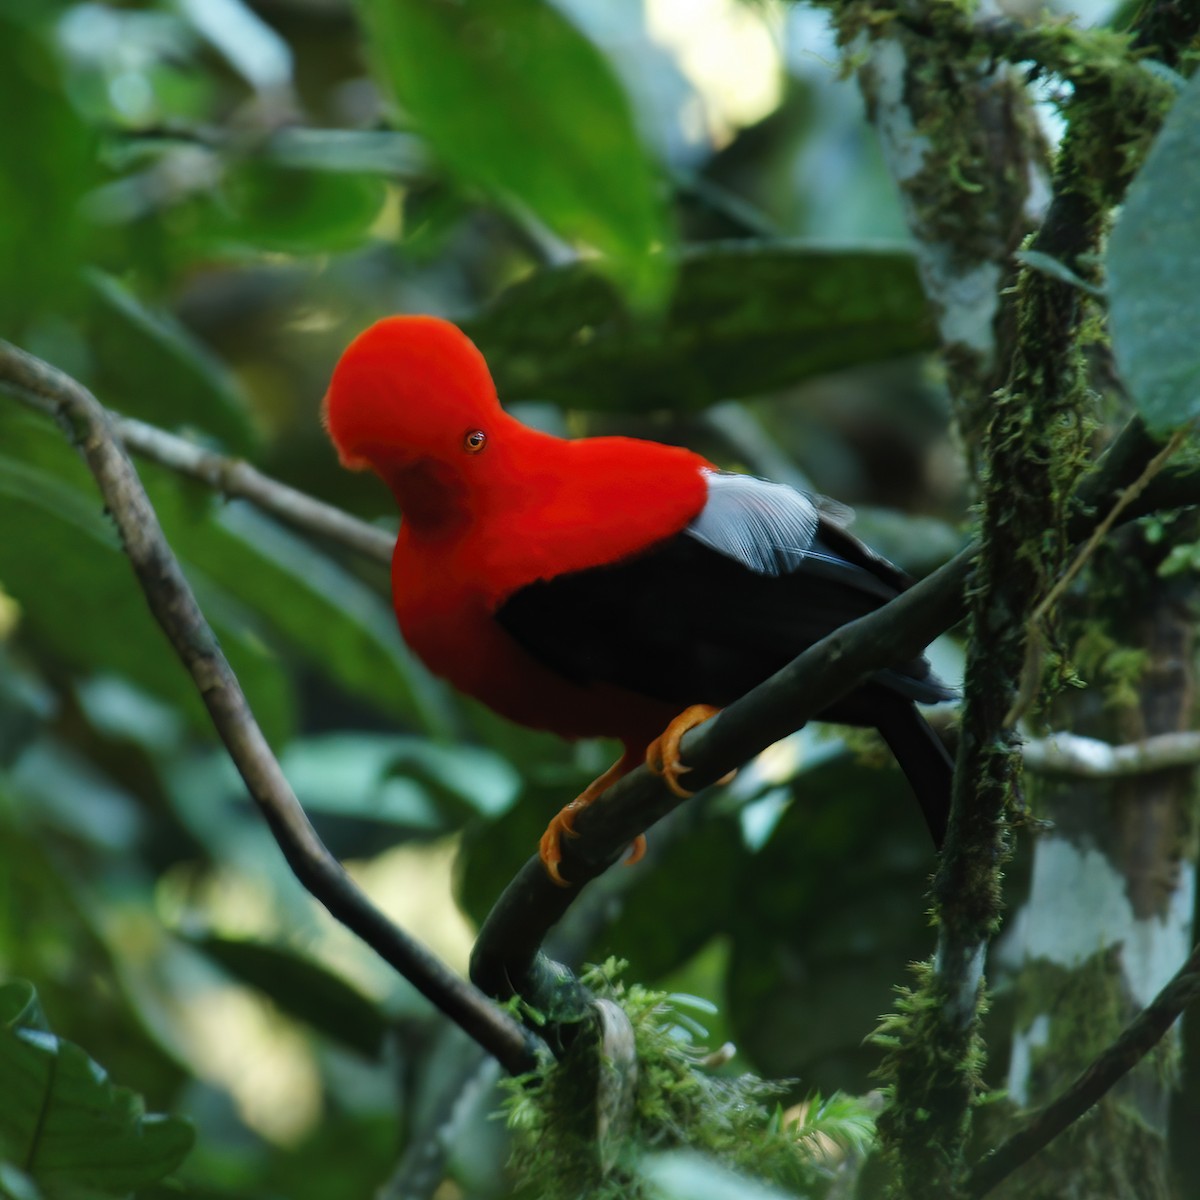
(409,386)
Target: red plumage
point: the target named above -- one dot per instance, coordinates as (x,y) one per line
(478,526)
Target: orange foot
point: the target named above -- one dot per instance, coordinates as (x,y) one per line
(662,755)
(563,825)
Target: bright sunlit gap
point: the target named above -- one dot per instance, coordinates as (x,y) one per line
(730,51)
(238,1040)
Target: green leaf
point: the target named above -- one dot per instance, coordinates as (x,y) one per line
(367,151)
(491,852)
(260,585)
(1047,264)
(381,777)
(324,613)
(19,1006)
(47,163)
(16,1185)
(49,932)
(248,43)
(1153,265)
(139,353)
(292,211)
(303,988)
(660,924)
(517,102)
(746,317)
(67,1126)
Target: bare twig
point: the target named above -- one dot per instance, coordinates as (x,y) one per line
(439,1127)
(1139,1037)
(238,479)
(1090,758)
(174,606)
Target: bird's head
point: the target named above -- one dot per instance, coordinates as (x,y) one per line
(408,389)
(412,399)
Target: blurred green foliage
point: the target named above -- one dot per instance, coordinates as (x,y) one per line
(200,204)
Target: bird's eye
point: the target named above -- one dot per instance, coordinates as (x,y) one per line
(474,441)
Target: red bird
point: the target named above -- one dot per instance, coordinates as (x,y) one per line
(596,587)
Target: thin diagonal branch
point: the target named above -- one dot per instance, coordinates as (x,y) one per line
(174,606)
(234,477)
(1138,1038)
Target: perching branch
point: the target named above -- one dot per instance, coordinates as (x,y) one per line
(174,606)
(506,957)
(1139,1037)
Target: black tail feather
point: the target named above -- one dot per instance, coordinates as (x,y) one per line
(924,760)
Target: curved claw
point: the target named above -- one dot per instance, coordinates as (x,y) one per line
(662,755)
(563,824)
(550,846)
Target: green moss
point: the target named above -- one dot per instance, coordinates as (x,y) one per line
(920,1059)
(1105,663)
(676,1102)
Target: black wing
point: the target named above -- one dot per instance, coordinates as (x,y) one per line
(758,576)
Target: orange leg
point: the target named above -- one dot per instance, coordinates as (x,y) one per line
(563,825)
(662,755)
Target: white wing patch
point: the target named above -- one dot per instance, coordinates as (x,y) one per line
(765,526)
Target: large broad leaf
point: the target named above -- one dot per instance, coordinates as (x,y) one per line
(301,598)
(661,924)
(1153,266)
(47,162)
(64,1124)
(50,930)
(292,211)
(406,781)
(516,101)
(745,318)
(686,1175)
